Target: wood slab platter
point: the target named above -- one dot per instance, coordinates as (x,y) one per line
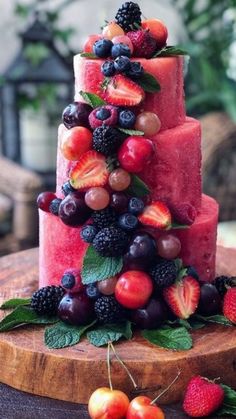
(72,374)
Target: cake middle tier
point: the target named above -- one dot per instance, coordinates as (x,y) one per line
(174,174)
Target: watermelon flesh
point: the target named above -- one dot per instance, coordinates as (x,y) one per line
(168,104)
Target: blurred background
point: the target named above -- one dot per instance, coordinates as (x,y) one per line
(38,40)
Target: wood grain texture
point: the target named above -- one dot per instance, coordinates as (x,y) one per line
(71,374)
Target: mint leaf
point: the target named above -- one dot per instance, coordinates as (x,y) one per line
(169,52)
(229,403)
(15,302)
(131,131)
(137,187)
(96,267)
(149,83)
(196,324)
(62,335)
(218,318)
(169,338)
(24,315)
(92,99)
(177,226)
(88,55)
(109,333)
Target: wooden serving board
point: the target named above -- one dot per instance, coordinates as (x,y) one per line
(72,374)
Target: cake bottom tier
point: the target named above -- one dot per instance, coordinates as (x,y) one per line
(61,247)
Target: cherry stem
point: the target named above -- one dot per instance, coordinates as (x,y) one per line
(166,389)
(109,366)
(124,366)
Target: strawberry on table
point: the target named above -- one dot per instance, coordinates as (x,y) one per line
(229,305)
(156,215)
(183,297)
(91,170)
(121,91)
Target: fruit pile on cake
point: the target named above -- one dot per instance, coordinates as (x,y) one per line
(128,227)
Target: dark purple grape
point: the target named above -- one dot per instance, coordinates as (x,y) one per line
(73,211)
(119,202)
(76,309)
(76,114)
(210,301)
(44,200)
(151,316)
(141,252)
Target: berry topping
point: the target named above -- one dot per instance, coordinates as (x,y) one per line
(122,91)
(91,170)
(135,71)
(123,39)
(68,280)
(73,211)
(102,114)
(122,64)
(44,200)
(136,206)
(119,202)
(105,115)
(120,49)
(54,206)
(67,188)
(108,310)
(88,46)
(151,316)
(111,241)
(157,30)
(164,274)
(149,123)
(75,142)
(76,114)
(133,289)
(202,397)
(108,68)
(102,48)
(222,283)
(119,179)
(183,297)
(168,246)
(129,16)
(72,280)
(229,305)
(141,252)
(104,218)
(156,215)
(111,30)
(127,119)
(107,140)
(76,309)
(93,292)
(135,153)
(210,301)
(88,232)
(46,300)
(184,213)
(97,198)
(144,44)
(128,222)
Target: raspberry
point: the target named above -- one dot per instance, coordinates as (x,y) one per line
(143,43)
(104,218)
(108,310)
(164,273)
(129,16)
(46,300)
(104,115)
(111,241)
(107,140)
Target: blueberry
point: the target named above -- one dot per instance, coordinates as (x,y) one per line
(68,281)
(92,292)
(67,188)
(136,206)
(128,222)
(102,114)
(88,233)
(120,49)
(127,119)
(54,206)
(108,69)
(122,64)
(135,71)
(102,48)
(191,271)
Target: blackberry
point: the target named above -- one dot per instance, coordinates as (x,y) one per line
(108,310)
(88,232)
(46,300)
(164,273)
(111,241)
(129,16)
(107,140)
(104,218)
(54,206)
(223,282)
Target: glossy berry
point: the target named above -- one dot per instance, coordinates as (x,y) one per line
(75,142)
(151,316)
(54,206)
(141,407)
(108,68)
(97,198)
(67,188)
(119,180)
(126,119)
(68,281)
(122,64)
(88,232)
(119,202)
(128,222)
(136,206)
(135,71)
(108,309)
(72,280)
(135,153)
(76,114)
(111,30)
(133,289)
(93,292)
(44,200)
(123,39)
(103,115)
(73,211)
(107,286)
(149,123)
(210,301)
(120,49)
(76,309)
(102,48)
(141,252)
(111,241)
(168,246)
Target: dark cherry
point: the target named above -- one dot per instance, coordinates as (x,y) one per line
(76,114)
(119,202)
(210,301)
(73,211)
(141,252)
(151,316)
(76,309)
(44,200)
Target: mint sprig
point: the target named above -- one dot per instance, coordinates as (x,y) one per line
(170,51)
(92,99)
(109,333)
(131,131)
(96,267)
(217,318)
(62,335)
(15,302)
(138,187)
(24,315)
(177,339)
(149,83)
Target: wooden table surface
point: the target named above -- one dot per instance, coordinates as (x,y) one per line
(15,404)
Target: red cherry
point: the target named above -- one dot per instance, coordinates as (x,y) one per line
(76,142)
(135,153)
(133,289)
(141,408)
(107,403)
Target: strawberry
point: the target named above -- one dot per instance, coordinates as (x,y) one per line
(202,397)
(183,296)
(90,170)
(157,215)
(229,305)
(121,91)
(144,44)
